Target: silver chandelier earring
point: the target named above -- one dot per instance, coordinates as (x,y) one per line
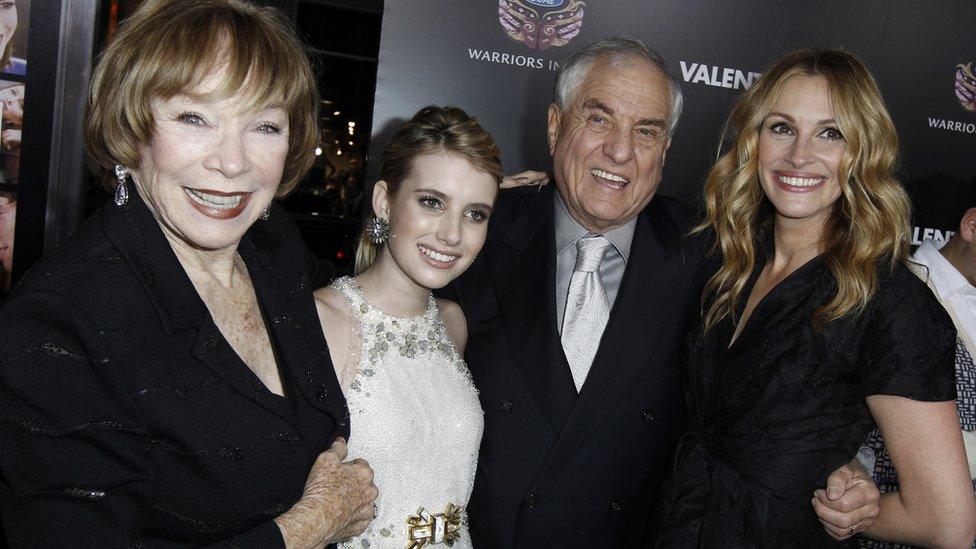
(266,214)
(377,230)
(121,193)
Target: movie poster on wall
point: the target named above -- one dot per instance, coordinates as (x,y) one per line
(11,121)
(8,221)
(14,22)
(497,59)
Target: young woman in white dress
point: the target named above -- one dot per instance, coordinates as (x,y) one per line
(414,412)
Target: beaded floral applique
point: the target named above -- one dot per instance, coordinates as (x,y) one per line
(408,337)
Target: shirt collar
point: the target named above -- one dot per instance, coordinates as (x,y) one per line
(933,266)
(568,230)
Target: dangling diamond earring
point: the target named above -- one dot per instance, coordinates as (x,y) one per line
(266,214)
(377,230)
(121,193)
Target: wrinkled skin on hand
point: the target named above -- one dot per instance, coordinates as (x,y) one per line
(338,501)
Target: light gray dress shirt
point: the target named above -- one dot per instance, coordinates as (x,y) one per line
(568,231)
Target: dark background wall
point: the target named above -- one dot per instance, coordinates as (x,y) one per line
(449,52)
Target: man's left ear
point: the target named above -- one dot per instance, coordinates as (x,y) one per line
(554,118)
(967,226)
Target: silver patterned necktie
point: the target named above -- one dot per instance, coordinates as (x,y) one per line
(587,308)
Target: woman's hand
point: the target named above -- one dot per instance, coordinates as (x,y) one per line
(525,179)
(850,500)
(338,501)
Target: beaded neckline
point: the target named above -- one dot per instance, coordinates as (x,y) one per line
(406,337)
(365,305)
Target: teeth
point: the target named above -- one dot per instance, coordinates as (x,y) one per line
(443,258)
(609,176)
(213,200)
(800,181)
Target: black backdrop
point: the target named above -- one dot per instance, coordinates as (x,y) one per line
(458,52)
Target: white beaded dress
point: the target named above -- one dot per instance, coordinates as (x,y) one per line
(416,418)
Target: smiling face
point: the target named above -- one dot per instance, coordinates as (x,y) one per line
(211,167)
(800,149)
(8,22)
(609,142)
(438,218)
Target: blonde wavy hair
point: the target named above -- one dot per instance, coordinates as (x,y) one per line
(868,226)
(431,129)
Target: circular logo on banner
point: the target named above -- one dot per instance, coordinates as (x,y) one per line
(541,24)
(966,86)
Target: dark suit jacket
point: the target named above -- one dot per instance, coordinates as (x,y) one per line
(557,469)
(125,416)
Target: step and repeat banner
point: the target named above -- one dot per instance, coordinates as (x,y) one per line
(497,58)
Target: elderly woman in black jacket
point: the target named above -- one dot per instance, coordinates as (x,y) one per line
(163,377)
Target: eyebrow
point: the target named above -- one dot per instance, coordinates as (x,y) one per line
(438,194)
(596,104)
(443,196)
(192,99)
(793,121)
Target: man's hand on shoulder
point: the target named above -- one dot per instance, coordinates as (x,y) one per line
(525,179)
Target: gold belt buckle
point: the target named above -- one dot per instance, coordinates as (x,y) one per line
(427,529)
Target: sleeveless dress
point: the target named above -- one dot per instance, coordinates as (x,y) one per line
(416,418)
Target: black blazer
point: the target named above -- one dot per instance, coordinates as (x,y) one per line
(125,416)
(557,469)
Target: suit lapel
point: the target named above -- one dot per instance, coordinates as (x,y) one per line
(522,264)
(137,235)
(631,338)
(292,321)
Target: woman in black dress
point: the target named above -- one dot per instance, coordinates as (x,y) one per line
(813,328)
(163,377)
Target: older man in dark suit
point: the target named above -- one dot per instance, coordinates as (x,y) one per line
(576,309)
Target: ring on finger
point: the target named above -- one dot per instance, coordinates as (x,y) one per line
(852,530)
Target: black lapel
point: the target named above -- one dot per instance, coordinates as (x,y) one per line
(289,310)
(644,305)
(523,266)
(136,233)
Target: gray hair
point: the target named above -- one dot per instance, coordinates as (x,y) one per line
(615,50)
